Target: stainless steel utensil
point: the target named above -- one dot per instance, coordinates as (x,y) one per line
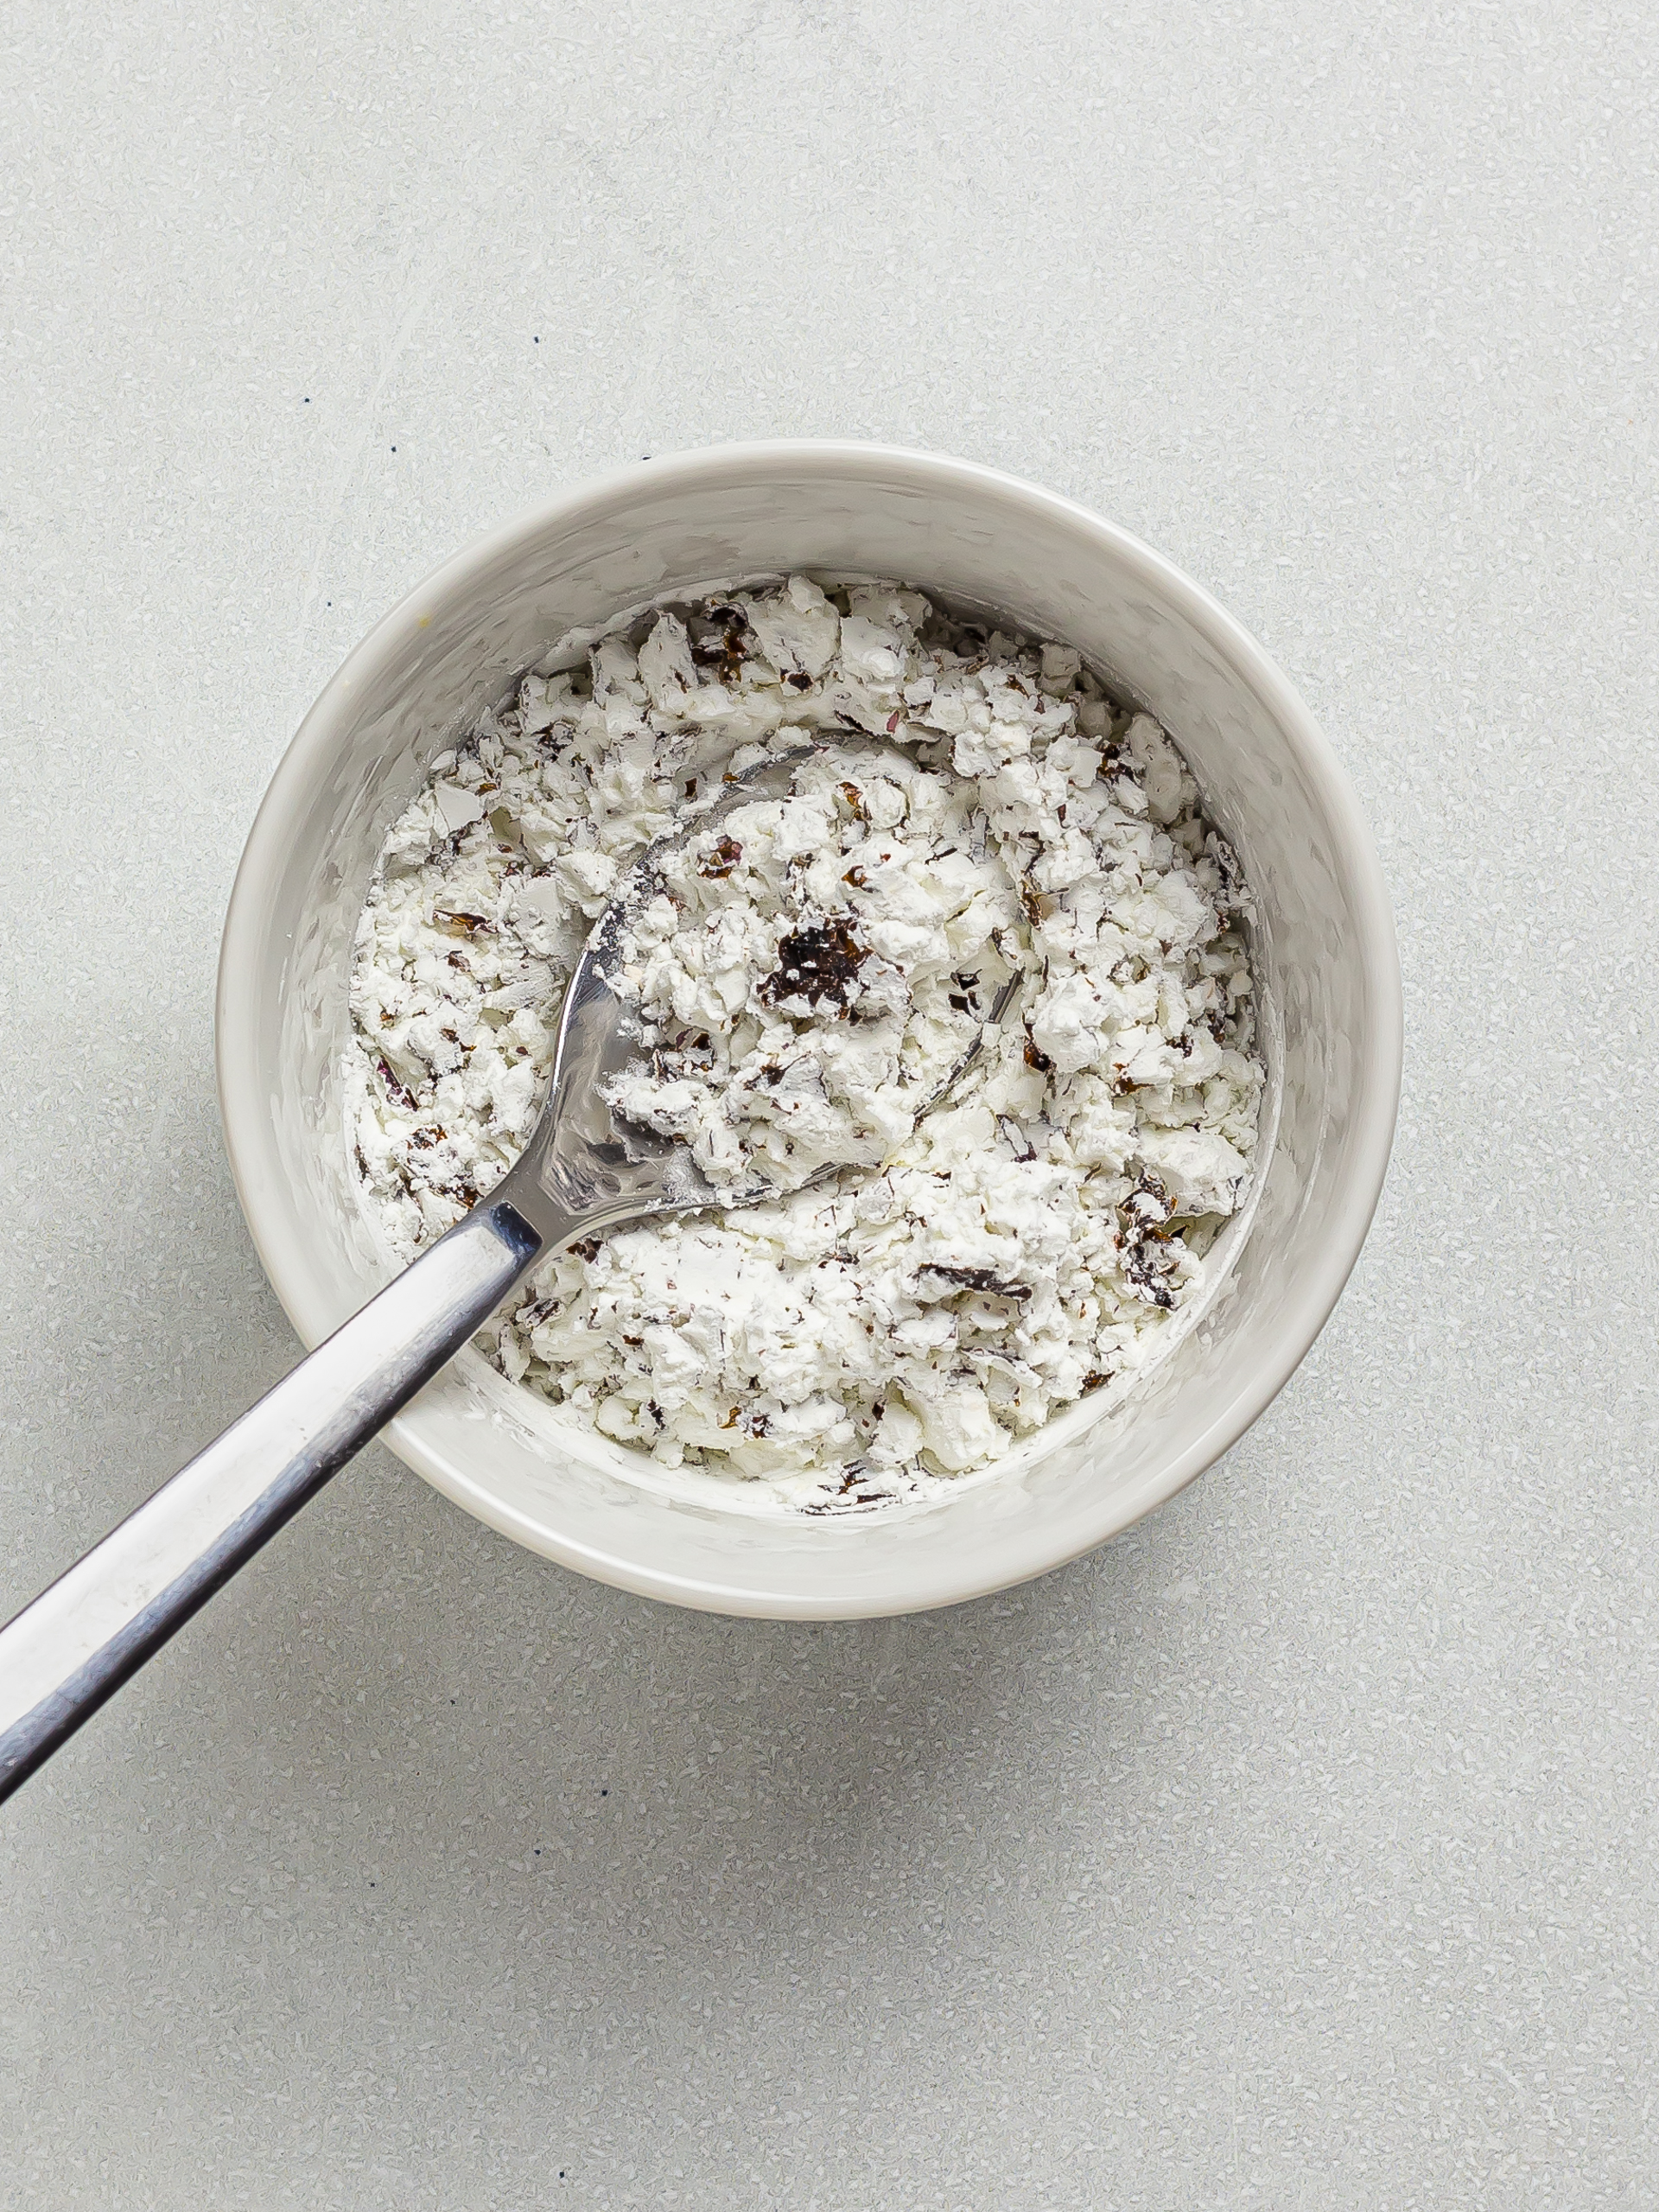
(69,1650)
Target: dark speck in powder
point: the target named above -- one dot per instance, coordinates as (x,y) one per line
(719,864)
(819,961)
(398,1092)
(985,1279)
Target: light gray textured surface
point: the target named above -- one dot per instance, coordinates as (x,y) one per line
(1297,1850)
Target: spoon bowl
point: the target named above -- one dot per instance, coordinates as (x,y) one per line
(582,1161)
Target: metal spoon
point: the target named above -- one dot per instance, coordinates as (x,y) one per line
(80,1639)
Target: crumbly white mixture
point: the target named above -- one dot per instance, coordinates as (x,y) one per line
(814,968)
(900,1321)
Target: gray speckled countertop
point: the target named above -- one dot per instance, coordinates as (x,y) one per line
(1299,1848)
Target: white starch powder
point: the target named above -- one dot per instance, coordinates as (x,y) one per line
(812,971)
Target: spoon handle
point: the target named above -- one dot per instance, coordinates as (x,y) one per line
(63,1655)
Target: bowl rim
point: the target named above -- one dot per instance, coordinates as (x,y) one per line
(249,1137)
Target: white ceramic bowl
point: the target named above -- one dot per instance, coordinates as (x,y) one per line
(1324,956)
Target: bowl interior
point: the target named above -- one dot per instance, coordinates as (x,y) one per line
(1324,955)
